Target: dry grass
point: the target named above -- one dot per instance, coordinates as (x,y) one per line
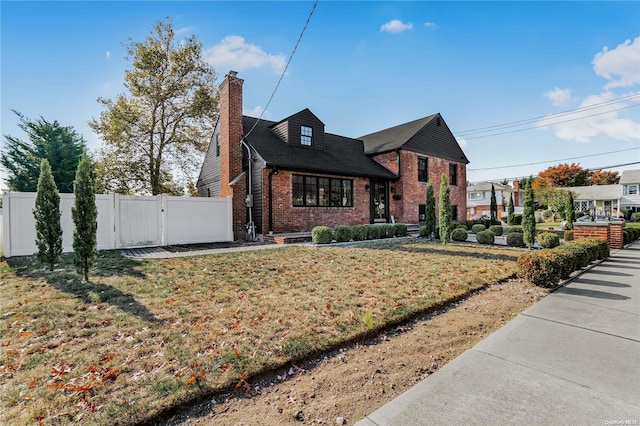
(143,336)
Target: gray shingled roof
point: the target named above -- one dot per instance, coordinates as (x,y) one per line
(342,155)
(393,137)
(597,192)
(486,186)
(630,176)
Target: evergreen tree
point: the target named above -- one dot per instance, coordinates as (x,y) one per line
(494,205)
(47,216)
(569,210)
(85,218)
(510,210)
(528,216)
(445,209)
(430,210)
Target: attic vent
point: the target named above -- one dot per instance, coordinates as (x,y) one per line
(438,122)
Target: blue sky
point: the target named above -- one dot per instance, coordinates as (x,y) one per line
(362,67)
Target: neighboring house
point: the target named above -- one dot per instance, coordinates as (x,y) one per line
(299,176)
(479,198)
(610,200)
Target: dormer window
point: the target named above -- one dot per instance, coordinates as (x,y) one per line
(306,135)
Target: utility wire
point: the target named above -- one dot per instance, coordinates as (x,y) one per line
(552,161)
(551,124)
(285,69)
(551,116)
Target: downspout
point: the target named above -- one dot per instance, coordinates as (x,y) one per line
(249,200)
(270,179)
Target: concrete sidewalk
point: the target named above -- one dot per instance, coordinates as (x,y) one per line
(572,358)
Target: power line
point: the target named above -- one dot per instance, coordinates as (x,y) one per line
(551,116)
(285,69)
(552,161)
(552,124)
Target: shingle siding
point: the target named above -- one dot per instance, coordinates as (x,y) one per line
(209,180)
(437,141)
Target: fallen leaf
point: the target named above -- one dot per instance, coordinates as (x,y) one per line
(368,318)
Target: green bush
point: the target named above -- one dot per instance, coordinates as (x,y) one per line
(547,215)
(514,239)
(627,235)
(422,232)
(568,235)
(597,248)
(462,226)
(517,219)
(436,233)
(581,257)
(486,237)
(359,233)
(400,230)
(459,234)
(496,229)
(548,240)
(478,228)
(373,232)
(321,235)
(342,233)
(541,267)
(635,217)
(386,231)
(516,228)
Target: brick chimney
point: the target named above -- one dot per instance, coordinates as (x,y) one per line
(230,148)
(516,194)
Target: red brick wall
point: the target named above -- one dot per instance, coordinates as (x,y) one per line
(616,236)
(287,218)
(598,230)
(230,147)
(414,193)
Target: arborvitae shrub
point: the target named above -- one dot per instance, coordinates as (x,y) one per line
(436,234)
(373,232)
(516,228)
(321,235)
(568,235)
(548,240)
(514,239)
(485,237)
(496,229)
(459,234)
(342,233)
(359,233)
(478,228)
(400,230)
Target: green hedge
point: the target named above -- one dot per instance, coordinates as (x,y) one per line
(373,232)
(400,230)
(321,235)
(496,229)
(568,235)
(516,228)
(548,239)
(515,239)
(359,233)
(459,234)
(386,231)
(547,267)
(478,228)
(485,237)
(342,233)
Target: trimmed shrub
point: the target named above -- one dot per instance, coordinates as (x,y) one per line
(514,239)
(597,248)
(547,215)
(568,235)
(386,231)
(486,237)
(400,230)
(581,257)
(422,232)
(321,235)
(359,233)
(516,228)
(459,234)
(517,219)
(373,232)
(548,240)
(496,229)
(542,268)
(478,228)
(462,226)
(628,236)
(635,217)
(342,233)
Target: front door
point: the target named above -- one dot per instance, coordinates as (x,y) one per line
(379,202)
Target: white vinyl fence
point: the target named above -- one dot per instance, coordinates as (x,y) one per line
(123,221)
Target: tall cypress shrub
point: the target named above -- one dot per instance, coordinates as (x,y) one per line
(528,216)
(445,209)
(569,210)
(47,216)
(430,211)
(510,210)
(494,205)
(85,218)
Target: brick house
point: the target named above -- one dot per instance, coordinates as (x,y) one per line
(291,175)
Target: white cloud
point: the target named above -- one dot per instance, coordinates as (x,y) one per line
(234,53)
(255,112)
(623,62)
(108,55)
(461,141)
(558,96)
(395,26)
(183,30)
(430,24)
(600,120)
